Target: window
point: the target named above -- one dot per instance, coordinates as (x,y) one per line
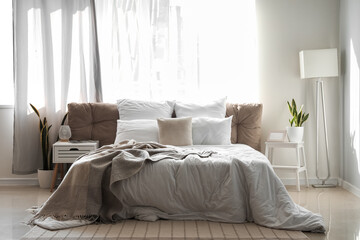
(178,49)
(6,57)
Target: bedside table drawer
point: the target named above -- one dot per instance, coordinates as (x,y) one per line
(69,155)
(69,152)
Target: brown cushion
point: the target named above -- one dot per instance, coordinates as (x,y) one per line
(93,121)
(97,121)
(246,124)
(175,131)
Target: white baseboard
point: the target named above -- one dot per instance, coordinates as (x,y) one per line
(348,186)
(19,182)
(292,181)
(288,181)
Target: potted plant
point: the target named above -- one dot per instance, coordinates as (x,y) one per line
(44,174)
(296,132)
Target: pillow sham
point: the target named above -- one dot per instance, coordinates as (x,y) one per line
(141,130)
(214,109)
(175,131)
(138,109)
(211,131)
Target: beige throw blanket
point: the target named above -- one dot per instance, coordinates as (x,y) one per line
(85,193)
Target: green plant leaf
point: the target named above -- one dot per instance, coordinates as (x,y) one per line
(293,103)
(40,125)
(301,116)
(298,116)
(306,117)
(38,114)
(35,110)
(301,108)
(295,112)
(292,122)
(64,118)
(46,149)
(290,108)
(43,141)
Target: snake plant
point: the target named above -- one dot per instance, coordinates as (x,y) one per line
(44,140)
(46,149)
(298,116)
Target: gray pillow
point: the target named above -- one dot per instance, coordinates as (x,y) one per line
(175,131)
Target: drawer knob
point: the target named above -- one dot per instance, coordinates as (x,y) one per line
(74,149)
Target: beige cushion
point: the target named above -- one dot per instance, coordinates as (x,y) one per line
(175,131)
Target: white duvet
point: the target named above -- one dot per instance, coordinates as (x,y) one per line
(149,181)
(236,184)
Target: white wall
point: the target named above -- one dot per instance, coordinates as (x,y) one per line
(6,148)
(285,28)
(350,51)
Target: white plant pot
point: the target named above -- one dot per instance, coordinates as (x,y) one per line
(295,134)
(44,177)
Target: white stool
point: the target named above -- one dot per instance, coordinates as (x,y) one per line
(300,150)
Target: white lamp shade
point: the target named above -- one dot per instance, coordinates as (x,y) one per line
(318,63)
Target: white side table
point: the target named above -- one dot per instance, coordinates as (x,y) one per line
(300,155)
(68,152)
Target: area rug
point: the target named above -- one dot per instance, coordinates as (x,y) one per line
(132,229)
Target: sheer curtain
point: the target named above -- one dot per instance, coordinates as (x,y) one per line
(178,49)
(145,50)
(56,62)
(227,49)
(103,50)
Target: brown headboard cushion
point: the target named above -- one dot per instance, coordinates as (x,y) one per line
(93,121)
(97,121)
(246,124)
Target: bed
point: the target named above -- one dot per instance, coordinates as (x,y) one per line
(150,180)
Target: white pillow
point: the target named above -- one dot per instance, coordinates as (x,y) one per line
(211,131)
(138,109)
(215,109)
(141,130)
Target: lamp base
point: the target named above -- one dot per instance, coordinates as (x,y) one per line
(323,185)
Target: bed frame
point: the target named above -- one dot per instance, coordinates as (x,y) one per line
(97,121)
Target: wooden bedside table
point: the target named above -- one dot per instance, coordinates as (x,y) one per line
(68,152)
(300,155)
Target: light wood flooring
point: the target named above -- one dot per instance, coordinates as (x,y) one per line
(340,209)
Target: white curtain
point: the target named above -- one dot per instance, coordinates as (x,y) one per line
(103,50)
(145,50)
(56,62)
(178,49)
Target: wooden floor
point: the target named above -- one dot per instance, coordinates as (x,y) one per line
(340,209)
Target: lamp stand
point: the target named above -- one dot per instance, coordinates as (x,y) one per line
(320,91)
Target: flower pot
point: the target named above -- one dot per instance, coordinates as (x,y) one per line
(295,134)
(44,177)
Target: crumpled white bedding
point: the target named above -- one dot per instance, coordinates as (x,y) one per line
(236,184)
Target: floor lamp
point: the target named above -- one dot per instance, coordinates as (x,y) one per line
(319,64)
